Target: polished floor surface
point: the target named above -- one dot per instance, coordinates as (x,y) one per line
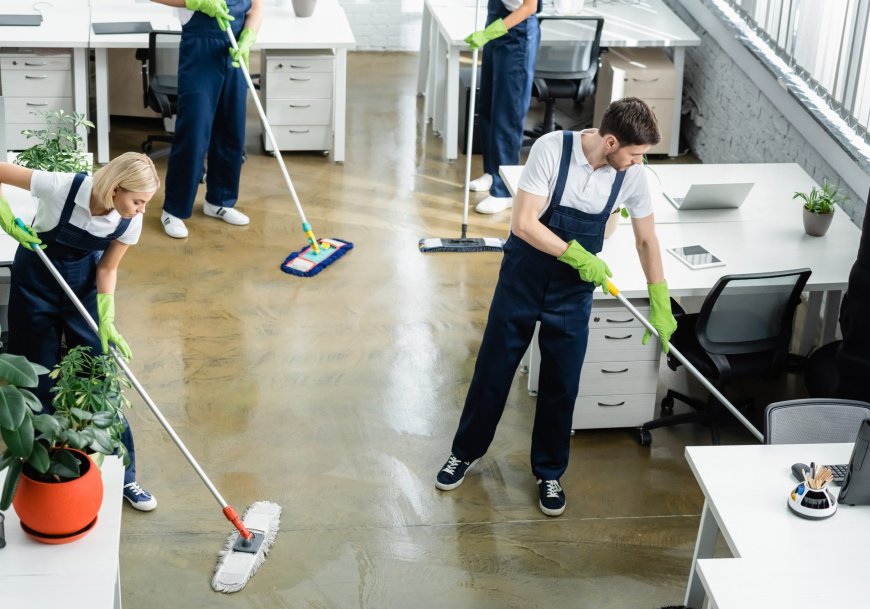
(338,396)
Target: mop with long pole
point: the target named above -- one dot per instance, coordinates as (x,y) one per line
(465,243)
(247,546)
(319,253)
(614,291)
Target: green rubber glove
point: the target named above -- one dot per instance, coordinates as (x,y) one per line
(494,30)
(660,315)
(246,41)
(592,268)
(213,8)
(107,331)
(25,236)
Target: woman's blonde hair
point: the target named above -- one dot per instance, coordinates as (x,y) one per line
(131,171)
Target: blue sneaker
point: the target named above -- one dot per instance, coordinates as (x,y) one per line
(453,473)
(139,498)
(552,501)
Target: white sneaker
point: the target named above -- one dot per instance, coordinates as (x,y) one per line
(173,226)
(481,184)
(230,215)
(493,205)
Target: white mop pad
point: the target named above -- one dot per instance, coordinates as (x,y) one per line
(235,567)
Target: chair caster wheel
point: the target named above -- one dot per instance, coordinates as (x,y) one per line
(324,152)
(644,437)
(667,406)
(147,146)
(573,431)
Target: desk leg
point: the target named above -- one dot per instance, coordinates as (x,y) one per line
(80,88)
(436,83)
(831,316)
(811,323)
(423,66)
(679,63)
(340,118)
(451,105)
(704,546)
(102,94)
(118,587)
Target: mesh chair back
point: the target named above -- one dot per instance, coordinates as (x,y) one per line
(570,47)
(163,60)
(814,421)
(750,313)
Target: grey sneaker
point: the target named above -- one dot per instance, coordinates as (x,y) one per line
(453,473)
(552,501)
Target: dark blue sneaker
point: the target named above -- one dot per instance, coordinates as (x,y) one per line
(138,497)
(552,497)
(453,473)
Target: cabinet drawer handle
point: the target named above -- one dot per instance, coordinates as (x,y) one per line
(644,79)
(299,130)
(606,371)
(28,76)
(300,105)
(608,337)
(34,65)
(299,66)
(35,105)
(619,321)
(606,404)
(300,79)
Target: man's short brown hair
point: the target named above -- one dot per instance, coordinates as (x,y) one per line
(631,121)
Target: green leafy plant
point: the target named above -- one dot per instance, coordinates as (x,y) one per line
(88,402)
(821,200)
(60,146)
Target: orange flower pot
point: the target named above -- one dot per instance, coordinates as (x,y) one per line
(55,512)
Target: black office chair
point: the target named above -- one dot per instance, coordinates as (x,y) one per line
(742,331)
(566,65)
(160,79)
(814,421)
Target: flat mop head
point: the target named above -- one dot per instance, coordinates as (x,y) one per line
(240,559)
(486,244)
(307,263)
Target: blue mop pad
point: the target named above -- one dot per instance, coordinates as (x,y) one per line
(307,263)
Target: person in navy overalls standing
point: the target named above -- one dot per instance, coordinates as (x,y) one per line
(550,269)
(512,37)
(86,225)
(211,110)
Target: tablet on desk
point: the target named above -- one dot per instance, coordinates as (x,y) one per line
(17,20)
(122,27)
(696,256)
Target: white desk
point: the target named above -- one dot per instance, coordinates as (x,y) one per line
(327,28)
(446,23)
(42,576)
(64,25)
(765,234)
(745,490)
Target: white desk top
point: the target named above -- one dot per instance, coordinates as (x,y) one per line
(746,488)
(64,25)
(37,575)
(646,23)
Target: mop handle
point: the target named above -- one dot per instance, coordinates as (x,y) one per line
(470,133)
(306,227)
(682,359)
(229,512)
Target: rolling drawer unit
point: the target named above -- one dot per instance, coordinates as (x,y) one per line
(298,88)
(33,82)
(619,375)
(645,73)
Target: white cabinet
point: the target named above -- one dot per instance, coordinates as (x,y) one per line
(298,87)
(34,82)
(645,73)
(619,375)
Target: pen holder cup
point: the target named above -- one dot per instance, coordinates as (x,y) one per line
(812,503)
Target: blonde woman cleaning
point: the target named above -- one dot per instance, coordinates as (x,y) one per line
(85,225)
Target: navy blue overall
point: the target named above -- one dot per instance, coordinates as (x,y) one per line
(535,286)
(40,312)
(211,115)
(505,92)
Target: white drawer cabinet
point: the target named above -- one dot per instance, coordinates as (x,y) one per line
(33,83)
(619,375)
(298,87)
(646,73)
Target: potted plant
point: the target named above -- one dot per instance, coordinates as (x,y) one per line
(53,483)
(819,207)
(60,146)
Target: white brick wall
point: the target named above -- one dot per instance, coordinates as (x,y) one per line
(730,121)
(385,25)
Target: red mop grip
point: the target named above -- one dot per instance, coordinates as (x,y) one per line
(233,517)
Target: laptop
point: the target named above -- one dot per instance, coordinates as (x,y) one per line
(713,196)
(19,20)
(122,27)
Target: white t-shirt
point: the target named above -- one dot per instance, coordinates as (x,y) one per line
(585,189)
(52,189)
(512,5)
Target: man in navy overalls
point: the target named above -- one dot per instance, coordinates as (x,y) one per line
(548,275)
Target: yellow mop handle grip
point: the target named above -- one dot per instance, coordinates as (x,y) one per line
(311,238)
(614,291)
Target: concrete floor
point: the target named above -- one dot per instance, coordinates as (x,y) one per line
(338,396)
